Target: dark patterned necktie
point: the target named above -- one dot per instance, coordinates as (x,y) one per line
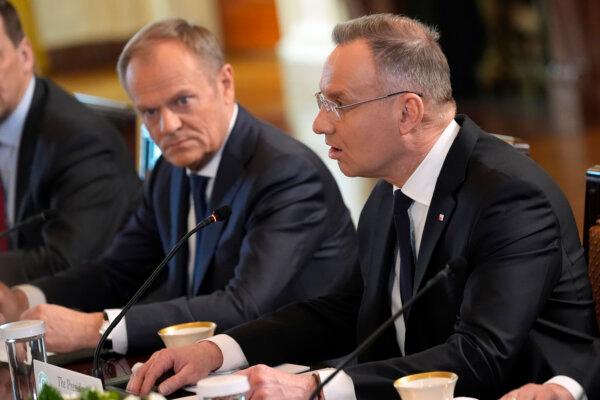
(407,263)
(198,192)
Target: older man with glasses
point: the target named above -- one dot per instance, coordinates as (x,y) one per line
(519,312)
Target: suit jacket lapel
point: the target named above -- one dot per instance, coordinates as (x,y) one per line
(226,185)
(238,149)
(27,149)
(440,212)
(382,254)
(443,201)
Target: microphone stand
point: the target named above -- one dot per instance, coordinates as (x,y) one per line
(217,215)
(440,276)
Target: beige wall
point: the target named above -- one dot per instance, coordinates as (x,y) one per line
(63,23)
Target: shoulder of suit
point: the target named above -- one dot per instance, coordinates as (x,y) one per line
(55,107)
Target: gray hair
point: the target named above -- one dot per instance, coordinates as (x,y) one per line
(199,40)
(406,53)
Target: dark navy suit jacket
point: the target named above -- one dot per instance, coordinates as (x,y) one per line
(289,237)
(521,312)
(72,160)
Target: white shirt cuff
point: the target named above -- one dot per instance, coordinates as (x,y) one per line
(233,356)
(571,385)
(339,388)
(119,335)
(34,294)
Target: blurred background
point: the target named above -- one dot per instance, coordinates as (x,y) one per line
(526,68)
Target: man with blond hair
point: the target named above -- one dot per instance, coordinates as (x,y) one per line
(521,311)
(289,236)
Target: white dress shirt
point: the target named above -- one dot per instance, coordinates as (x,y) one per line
(419,187)
(11,130)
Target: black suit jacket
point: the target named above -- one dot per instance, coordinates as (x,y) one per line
(289,237)
(72,160)
(520,313)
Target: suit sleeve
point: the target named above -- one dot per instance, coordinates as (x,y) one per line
(286,223)
(87,179)
(112,280)
(305,332)
(515,261)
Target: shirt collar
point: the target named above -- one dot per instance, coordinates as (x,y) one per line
(11,129)
(421,184)
(212,166)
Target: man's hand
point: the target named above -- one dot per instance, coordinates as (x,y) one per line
(548,391)
(67,330)
(12,303)
(269,383)
(190,364)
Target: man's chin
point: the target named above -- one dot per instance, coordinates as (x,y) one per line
(347,170)
(192,162)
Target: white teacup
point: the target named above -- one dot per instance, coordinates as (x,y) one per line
(436,385)
(183,334)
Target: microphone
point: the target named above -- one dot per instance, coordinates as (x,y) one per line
(453,267)
(43,216)
(220,214)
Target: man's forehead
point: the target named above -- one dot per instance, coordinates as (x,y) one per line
(349,68)
(147,83)
(162,67)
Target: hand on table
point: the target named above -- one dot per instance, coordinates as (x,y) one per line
(190,364)
(67,330)
(548,391)
(12,303)
(268,383)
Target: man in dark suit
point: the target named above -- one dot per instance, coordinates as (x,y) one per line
(54,154)
(522,309)
(289,236)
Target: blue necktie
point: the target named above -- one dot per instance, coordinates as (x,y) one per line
(407,263)
(198,192)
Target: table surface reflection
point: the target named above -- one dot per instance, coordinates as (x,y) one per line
(115,367)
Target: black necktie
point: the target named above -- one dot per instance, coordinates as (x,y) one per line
(407,263)
(198,192)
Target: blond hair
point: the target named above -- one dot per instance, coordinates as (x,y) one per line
(199,40)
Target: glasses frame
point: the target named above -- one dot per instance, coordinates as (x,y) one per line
(323,103)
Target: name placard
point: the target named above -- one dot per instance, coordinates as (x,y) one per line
(63,380)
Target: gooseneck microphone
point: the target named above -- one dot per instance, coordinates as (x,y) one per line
(220,214)
(451,268)
(43,216)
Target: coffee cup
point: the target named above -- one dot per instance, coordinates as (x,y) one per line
(435,385)
(188,333)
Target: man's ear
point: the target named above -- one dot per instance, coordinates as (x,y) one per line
(411,112)
(25,52)
(226,83)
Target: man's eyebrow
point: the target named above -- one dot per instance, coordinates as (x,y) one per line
(180,93)
(143,108)
(336,94)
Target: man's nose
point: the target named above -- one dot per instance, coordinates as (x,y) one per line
(169,121)
(322,123)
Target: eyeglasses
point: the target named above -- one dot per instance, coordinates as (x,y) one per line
(331,106)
